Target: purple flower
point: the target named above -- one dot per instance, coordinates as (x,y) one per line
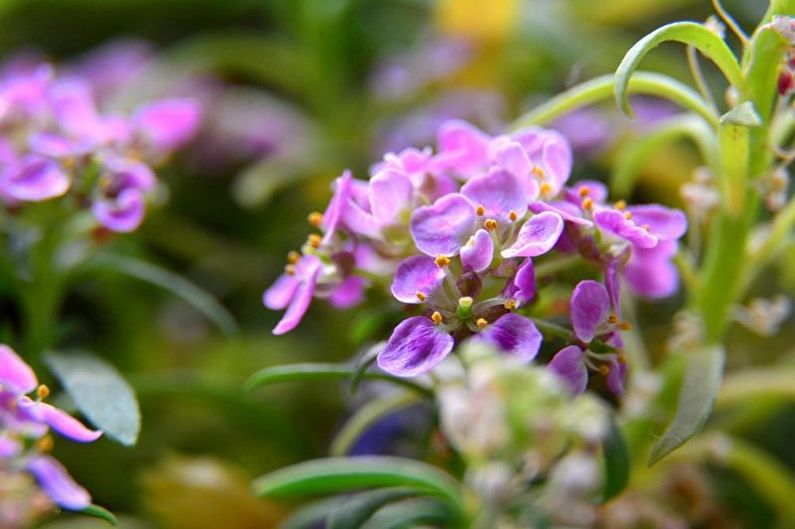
(650,273)
(34,179)
(417,278)
(443,227)
(536,236)
(590,306)
(569,365)
(58,484)
(497,195)
(294,290)
(121,206)
(643,226)
(416,346)
(168,124)
(514,335)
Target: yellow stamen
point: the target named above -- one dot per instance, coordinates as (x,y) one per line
(480,210)
(43,392)
(538,172)
(612,319)
(421,296)
(44,444)
(621,358)
(289,270)
(293,257)
(437,318)
(621,204)
(510,304)
(314,240)
(545,188)
(481,323)
(625,326)
(584,191)
(442,261)
(587,204)
(513,215)
(604,369)
(315,219)
(627,215)
(490,224)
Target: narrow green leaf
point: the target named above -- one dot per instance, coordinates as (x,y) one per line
(603,87)
(702,379)
(99,392)
(617,462)
(417,513)
(366,417)
(319,371)
(176,284)
(690,33)
(95,511)
(311,516)
(353,513)
(341,474)
(363,363)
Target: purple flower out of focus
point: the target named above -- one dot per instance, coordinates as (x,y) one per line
(24,439)
(456,232)
(56,140)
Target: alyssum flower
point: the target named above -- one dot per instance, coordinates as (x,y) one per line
(455,233)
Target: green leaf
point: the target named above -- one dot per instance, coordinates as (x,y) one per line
(312,515)
(320,371)
(418,513)
(702,380)
(363,363)
(353,513)
(617,462)
(603,87)
(176,284)
(99,392)
(341,474)
(95,511)
(366,417)
(690,33)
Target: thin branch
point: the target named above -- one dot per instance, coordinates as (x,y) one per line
(730,22)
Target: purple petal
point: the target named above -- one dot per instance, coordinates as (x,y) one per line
(58,484)
(569,212)
(597,192)
(73,106)
(523,286)
(417,274)
(590,307)
(463,147)
(66,425)
(514,335)
(650,272)
(616,222)
(9,447)
(499,192)
(55,146)
(349,293)
(390,195)
(664,223)
(613,285)
(170,123)
(616,376)
(124,214)
(125,173)
(416,346)
(477,253)
(512,157)
(568,364)
(442,228)
(307,270)
(556,160)
(15,374)
(34,179)
(537,236)
(335,210)
(278,296)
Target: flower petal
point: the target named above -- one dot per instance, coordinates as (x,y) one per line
(15,374)
(34,179)
(58,484)
(66,425)
(349,293)
(123,214)
(416,346)
(616,222)
(390,195)
(278,296)
(522,287)
(499,192)
(442,228)
(569,212)
(302,297)
(514,335)
(417,274)
(463,147)
(568,364)
(590,307)
(616,376)
(650,273)
(537,236)
(664,223)
(477,253)
(170,123)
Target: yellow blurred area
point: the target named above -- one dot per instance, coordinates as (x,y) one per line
(490,21)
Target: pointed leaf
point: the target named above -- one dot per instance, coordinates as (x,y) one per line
(690,33)
(367,416)
(99,392)
(702,379)
(617,462)
(95,511)
(353,513)
(416,513)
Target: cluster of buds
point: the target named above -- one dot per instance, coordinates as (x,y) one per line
(55,141)
(456,232)
(25,423)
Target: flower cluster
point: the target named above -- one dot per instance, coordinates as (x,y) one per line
(54,140)
(457,231)
(25,423)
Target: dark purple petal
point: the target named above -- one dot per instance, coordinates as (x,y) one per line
(537,236)
(278,296)
(170,123)
(416,346)
(616,376)
(613,286)
(514,335)
(417,274)
(523,286)
(569,365)
(66,425)
(15,374)
(34,179)
(590,307)
(390,195)
(664,223)
(616,222)
(442,228)
(124,214)
(477,253)
(349,293)
(499,192)
(307,270)
(58,484)
(650,272)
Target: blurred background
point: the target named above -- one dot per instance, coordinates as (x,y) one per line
(293,92)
